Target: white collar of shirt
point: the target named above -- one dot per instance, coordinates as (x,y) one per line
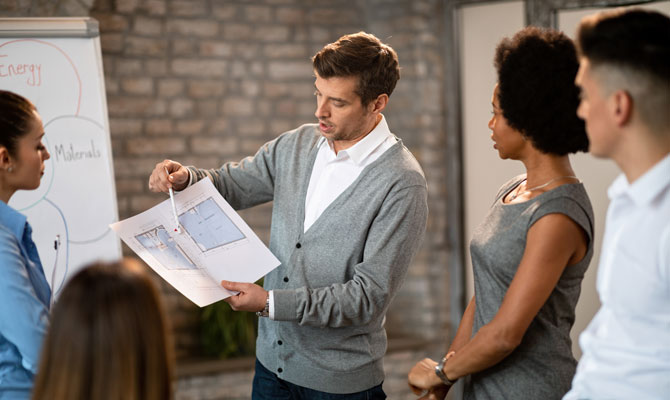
(333,174)
(364,147)
(646,187)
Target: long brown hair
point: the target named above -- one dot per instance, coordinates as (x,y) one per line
(108,339)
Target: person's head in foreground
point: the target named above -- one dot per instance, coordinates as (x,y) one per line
(107,339)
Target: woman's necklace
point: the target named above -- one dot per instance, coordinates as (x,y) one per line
(513,196)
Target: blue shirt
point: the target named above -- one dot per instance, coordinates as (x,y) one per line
(24,305)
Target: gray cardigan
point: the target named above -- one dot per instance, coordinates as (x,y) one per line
(335,281)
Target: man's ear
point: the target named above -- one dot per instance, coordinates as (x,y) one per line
(377,105)
(622,107)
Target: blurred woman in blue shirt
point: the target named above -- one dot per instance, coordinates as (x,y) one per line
(24,291)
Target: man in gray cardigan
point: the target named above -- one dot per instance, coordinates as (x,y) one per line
(349,212)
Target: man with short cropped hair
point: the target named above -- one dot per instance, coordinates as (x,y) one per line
(625,81)
(349,213)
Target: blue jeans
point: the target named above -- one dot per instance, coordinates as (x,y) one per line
(267,386)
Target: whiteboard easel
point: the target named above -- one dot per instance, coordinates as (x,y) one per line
(57,64)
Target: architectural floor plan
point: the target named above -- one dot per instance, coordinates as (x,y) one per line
(215,244)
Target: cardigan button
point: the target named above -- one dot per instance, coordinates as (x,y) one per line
(286,279)
(280,370)
(298,245)
(279,342)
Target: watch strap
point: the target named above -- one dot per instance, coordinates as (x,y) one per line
(439,371)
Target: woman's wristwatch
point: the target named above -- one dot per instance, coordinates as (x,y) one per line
(439,370)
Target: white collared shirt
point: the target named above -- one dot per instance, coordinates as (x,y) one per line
(626,347)
(333,173)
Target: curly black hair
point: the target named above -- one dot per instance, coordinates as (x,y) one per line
(536,90)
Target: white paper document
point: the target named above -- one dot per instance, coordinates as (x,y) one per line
(215,244)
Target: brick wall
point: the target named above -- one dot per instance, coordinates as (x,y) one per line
(206,81)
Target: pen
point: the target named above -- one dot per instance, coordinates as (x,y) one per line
(174,208)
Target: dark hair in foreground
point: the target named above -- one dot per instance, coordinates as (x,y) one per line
(107,339)
(16,112)
(363,55)
(536,90)
(634,43)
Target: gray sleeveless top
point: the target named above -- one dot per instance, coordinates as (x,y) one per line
(542,366)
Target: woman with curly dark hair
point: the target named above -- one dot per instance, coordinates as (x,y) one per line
(530,253)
